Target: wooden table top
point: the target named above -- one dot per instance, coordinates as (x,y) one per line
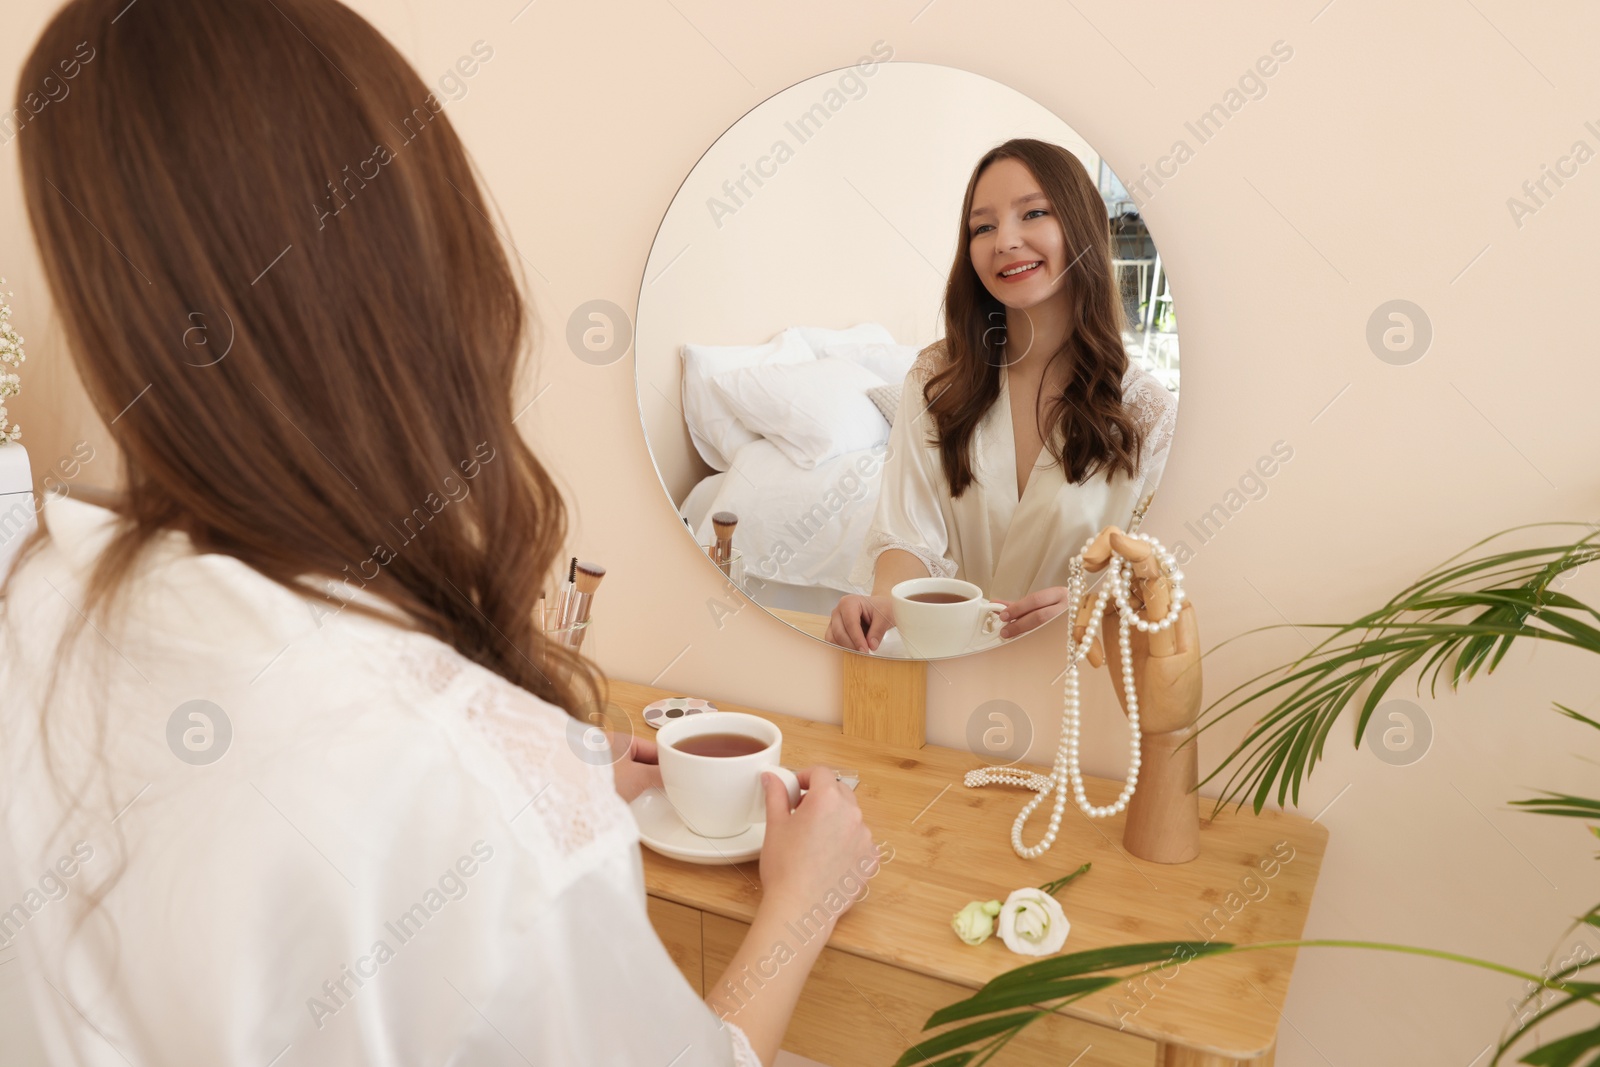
(1252,882)
(804,621)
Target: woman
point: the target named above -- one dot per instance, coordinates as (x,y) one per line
(1026,430)
(287,774)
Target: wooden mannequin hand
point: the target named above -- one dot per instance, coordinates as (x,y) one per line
(1166,663)
(1168,684)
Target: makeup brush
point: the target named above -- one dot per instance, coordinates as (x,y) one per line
(564,600)
(722,555)
(587,583)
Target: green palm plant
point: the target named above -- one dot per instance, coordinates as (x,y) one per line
(1463,616)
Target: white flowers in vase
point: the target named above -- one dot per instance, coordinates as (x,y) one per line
(11,355)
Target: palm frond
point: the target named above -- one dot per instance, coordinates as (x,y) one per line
(1049,984)
(1460,618)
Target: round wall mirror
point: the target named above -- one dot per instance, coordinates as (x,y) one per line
(890,375)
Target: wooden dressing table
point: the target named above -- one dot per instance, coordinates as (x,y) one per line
(893,959)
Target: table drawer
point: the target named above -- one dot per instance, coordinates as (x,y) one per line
(857,1012)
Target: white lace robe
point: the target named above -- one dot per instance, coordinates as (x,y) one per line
(988,536)
(399,858)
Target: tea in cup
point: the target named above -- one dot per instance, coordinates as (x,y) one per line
(942,616)
(711,769)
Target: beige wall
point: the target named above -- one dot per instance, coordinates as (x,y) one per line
(1377,166)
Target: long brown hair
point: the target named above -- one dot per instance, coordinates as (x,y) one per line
(1096,431)
(281,289)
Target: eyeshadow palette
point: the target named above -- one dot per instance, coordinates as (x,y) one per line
(662,712)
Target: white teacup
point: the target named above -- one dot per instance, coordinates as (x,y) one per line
(945,629)
(721,796)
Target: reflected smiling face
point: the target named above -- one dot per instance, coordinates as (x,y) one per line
(1015,240)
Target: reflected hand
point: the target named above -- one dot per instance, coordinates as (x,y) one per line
(1032,611)
(635,769)
(859,622)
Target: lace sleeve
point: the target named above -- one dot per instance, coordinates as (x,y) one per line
(1154,408)
(744,1055)
(556,784)
(927,364)
(877,543)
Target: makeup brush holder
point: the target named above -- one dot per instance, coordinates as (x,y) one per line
(575,637)
(734,567)
(570,636)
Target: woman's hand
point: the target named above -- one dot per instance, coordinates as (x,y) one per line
(859,622)
(635,768)
(1032,611)
(822,846)
(815,863)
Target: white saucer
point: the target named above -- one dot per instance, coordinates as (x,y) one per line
(894,646)
(661,828)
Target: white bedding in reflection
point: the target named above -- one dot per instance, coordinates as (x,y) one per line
(796,526)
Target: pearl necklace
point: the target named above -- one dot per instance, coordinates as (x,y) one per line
(1118,584)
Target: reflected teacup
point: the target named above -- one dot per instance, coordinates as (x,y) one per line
(942,616)
(711,770)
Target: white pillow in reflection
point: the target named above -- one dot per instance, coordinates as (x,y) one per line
(713,425)
(810,411)
(865,333)
(887,360)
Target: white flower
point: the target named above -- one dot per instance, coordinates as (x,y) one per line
(1032,923)
(975,922)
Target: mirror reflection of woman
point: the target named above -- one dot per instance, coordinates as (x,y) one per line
(1027,428)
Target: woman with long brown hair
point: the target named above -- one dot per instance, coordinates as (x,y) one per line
(1026,429)
(287,772)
